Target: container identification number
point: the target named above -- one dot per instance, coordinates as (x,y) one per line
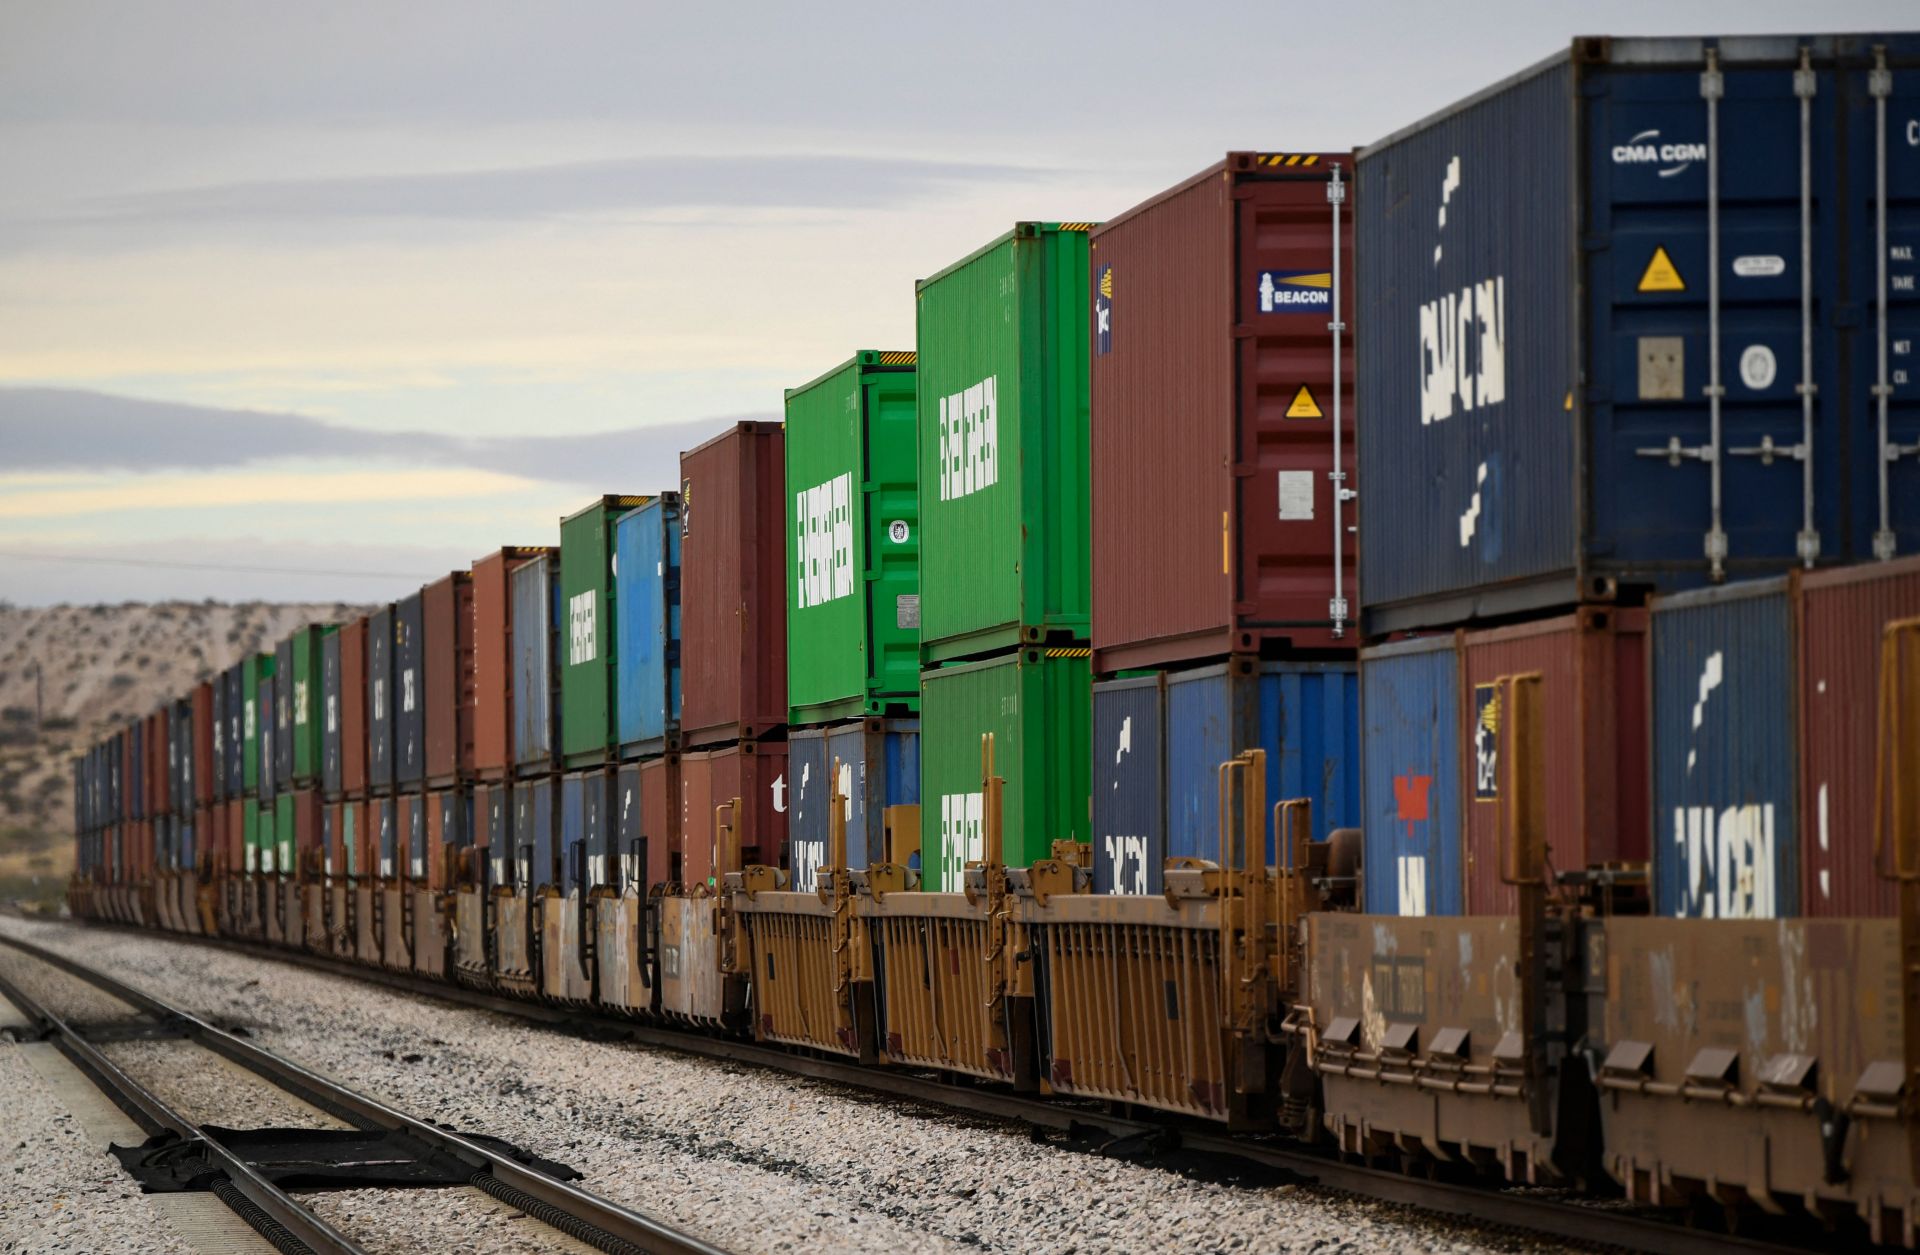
(581,645)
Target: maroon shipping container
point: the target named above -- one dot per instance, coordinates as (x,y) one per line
(437,840)
(234,836)
(203,764)
(1842,615)
(353,708)
(1593,668)
(447,631)
(733,586)
(306,833)
(754,772)
(661,805)
(1215,521)
(159,778)
(493,658)
(133,802)
(140,858)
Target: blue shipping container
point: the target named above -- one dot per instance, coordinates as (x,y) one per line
(1725,833)
(1515,352)
(387,838)
(629,864)
(380,736)
(236,731)
(535,596)
(1410,704)
(282,715)
(494,804)
(646,589)
(879,767)
(1129,784)
(413,813)
(535,834)
(409,691)
(583,831)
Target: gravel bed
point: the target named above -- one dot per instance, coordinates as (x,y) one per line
(747,1158)
(57,1191)
(390,1222)
(67,996)
(208,1089)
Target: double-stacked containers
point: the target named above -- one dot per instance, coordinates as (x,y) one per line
(343,784)
(853,603)
(299,749)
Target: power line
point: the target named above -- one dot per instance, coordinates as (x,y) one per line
(204,566)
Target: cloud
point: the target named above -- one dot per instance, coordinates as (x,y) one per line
(277,488)
(46,430)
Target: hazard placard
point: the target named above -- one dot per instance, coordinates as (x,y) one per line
(1661,275)
(1304,406)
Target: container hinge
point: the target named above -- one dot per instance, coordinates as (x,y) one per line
(1767,451)
(1336,192)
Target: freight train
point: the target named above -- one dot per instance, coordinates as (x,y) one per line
(1515,503)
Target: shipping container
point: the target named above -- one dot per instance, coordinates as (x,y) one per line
(493,831)
(1725,820)
(410,835)
(1159,741)
(301,844)
(250,836)
(353,707)
(494,659)
(733,585)
(1223,420)
(286,831)
(1593,676)
(159,773)
(217,736)
(589,658)
(879,766)
(447,665)
(330,728)
(449,832)
(754,773)
(646,620)
(267,697)
(202,761)
(1037,705)
(536,833)
(853,584)
(1842,615)
(1003,338)
(237,730)
(1410,784)
(536,674)
(180,739)
(266,838)
(256,680)
(662,808)
(409,695)
(304,719)
(386,838)
(585,803)
(283,716)
(382,751)
(1705,322)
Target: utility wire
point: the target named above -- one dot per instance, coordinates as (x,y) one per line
(204,566)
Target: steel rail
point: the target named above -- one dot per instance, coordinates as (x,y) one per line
(595,1220)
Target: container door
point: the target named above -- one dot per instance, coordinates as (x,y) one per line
(532,663)
(1410,716)
(630,861)
(1129,786)
(889,537)
(808,825)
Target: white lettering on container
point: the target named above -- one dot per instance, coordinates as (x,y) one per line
(1128,857)
(961,835)
(823,541)
(1727,860)
(808,857)
(1463,350)
(299,703)
(970,440)
(406,691)
(1646,149)
(582,645)
(1413,884)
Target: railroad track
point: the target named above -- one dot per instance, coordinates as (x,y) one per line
(1489,1207)
(274,1212)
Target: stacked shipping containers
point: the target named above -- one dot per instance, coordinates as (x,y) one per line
(647,703)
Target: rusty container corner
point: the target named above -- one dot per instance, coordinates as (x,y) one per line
(1216,383)
(710,780)
(448,629)
(1592,665)
(733,586)
(1841,615)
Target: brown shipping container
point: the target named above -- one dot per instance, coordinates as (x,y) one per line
(159,798)
(1594,668)
(492,659)
(306,831)
(1213,395)
(1843,613)
(661,794)
(353,708)
(235,834)
(754,772)
(447,614)
(133,805)
(733,585)
(203,744)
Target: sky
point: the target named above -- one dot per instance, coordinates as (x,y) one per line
(320,302)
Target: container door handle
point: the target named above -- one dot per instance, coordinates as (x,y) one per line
(1880,86)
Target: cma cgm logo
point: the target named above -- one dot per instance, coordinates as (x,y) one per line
(970,440)
(1645,149)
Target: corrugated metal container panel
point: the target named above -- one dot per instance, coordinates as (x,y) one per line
(1410,789)
(216,741)
(646,590)
(661,811)
(1214,391)
(159,778)
(409,691)
(386,849)
(1305,715)
(237,732)
(304,809)
(1517,308)
(1842,617)
(733,544)
(286,833)
(756,774)
(626,831)
(879,763)
(202,761)
(267,698)
(589,658)
(250,836)
(136,769)
(585,800)
(1037,704)
(493,659)
(1129,784)
(283,715)
(410,811)
(853,586)
(251,675)
(449,831)
(1004,524)
(535,676)
(447,663)
(330,731)
(381,747)
(305,717)
(1593,673)
(536,833)
(180,754)
(353,707)
(1725,831)
(493,831)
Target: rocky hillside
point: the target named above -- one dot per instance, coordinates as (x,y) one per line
(68,674)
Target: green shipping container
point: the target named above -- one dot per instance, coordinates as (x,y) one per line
(1003,418)
(1038,704)
(283,834)
(264,841)
(589,731)
(307,724)
(255,671)
(853,570)
(250,834)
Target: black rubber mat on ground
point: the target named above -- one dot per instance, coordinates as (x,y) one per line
(315,1159)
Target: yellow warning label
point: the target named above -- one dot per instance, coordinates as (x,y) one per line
(1304,406)
(1661,276)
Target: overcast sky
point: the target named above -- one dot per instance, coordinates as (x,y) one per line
(378,287)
